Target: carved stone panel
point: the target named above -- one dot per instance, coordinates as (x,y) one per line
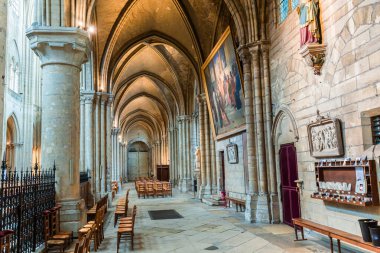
(325,138)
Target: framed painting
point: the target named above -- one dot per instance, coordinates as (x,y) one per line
(232,153)
(325,138)
(223,87)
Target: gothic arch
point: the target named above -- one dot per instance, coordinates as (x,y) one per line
(284,113)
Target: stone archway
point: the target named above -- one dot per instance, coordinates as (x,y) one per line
(11,141)
(284,131)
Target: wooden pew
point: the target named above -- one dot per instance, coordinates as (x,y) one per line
(332,233)
(238,203)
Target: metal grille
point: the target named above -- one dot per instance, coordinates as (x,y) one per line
(24,195)
(375,122)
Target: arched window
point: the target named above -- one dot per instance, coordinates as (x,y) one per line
(286,6)
(14,75)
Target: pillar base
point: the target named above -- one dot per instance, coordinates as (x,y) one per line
(275,208)
(185,185)
(201,191)
(257,209)
(207,191)
(73,215)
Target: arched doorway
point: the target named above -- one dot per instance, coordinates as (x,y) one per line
(11,142)
(138,160)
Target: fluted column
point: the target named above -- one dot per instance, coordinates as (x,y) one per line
(207,150)
(96,146)
(62,51)
(103,164)
(180,153)
(262,213)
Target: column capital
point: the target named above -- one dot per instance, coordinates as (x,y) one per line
(87,97)
(183,117)
(201,98)
(244,54)
(115,131)
(60,45)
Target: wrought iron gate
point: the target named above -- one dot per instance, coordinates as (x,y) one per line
(24,195)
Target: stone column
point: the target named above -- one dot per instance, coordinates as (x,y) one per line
(108,153)
(214,187)
(96,147)
(201,103)
(62,51)
(82,135)
(88,140)
(261,209)
(171,151)
(3,42)
(207,151)
(103,164)
(180,153)
(275,215)
(251,197)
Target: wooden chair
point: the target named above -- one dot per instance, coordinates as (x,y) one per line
(55,226)
(49,242)
(167,189)
(121,201)
(5,241)
(141,190)
(120,211)
(158,189)
(149,189)
(125,232)
(128,220)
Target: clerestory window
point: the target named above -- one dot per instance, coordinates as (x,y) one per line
(287,6)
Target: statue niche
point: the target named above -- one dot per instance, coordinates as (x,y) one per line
(312,49)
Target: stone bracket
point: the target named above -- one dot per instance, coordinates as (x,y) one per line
(314,55)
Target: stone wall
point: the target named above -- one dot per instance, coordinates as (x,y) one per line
(347,88)
(235,174)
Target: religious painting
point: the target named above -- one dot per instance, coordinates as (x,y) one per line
(223,87)
(232,153)
(325,138)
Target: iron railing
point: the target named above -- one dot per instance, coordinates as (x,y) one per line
(24,195)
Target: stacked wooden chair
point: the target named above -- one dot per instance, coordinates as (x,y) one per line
(83,244)
(5,241)
(126,228)
(92,212)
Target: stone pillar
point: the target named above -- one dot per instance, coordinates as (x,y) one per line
(275,215)
(251,197)
(171,152)
(180,153)
(108,153)
(201,103)
(62,51)
(82,167)
(207,151)
(88,140)
(103,164)
(261,208)
(3,42)
(97,162)
(188,153)
(184,150)
(214,187)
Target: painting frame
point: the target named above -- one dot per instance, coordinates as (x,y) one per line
(241,127)
(232,153)
(336,137)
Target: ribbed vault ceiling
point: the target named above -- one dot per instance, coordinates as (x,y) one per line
(149,53)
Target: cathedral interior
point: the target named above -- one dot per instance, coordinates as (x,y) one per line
(190,125)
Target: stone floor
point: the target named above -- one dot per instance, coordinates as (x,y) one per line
(203,229)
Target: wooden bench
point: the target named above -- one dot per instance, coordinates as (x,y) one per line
(332,233)
(238,203)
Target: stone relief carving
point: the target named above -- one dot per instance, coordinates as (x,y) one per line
(325,137)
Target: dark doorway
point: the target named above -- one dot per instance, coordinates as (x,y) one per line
(289,173)
(163,172)
(222,172)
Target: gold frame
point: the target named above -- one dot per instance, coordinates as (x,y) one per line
(222,39)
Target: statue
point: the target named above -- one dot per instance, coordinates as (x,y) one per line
(308,11)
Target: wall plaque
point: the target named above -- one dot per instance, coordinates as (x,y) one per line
(325,137)
(232,153)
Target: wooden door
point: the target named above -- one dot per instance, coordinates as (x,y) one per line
(289,173)
(222,170)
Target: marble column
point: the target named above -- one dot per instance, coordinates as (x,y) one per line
(261,208)
(201,103)
(251,198)
(62,51)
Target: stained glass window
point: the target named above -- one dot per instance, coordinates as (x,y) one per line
(286,6)
(284,9)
